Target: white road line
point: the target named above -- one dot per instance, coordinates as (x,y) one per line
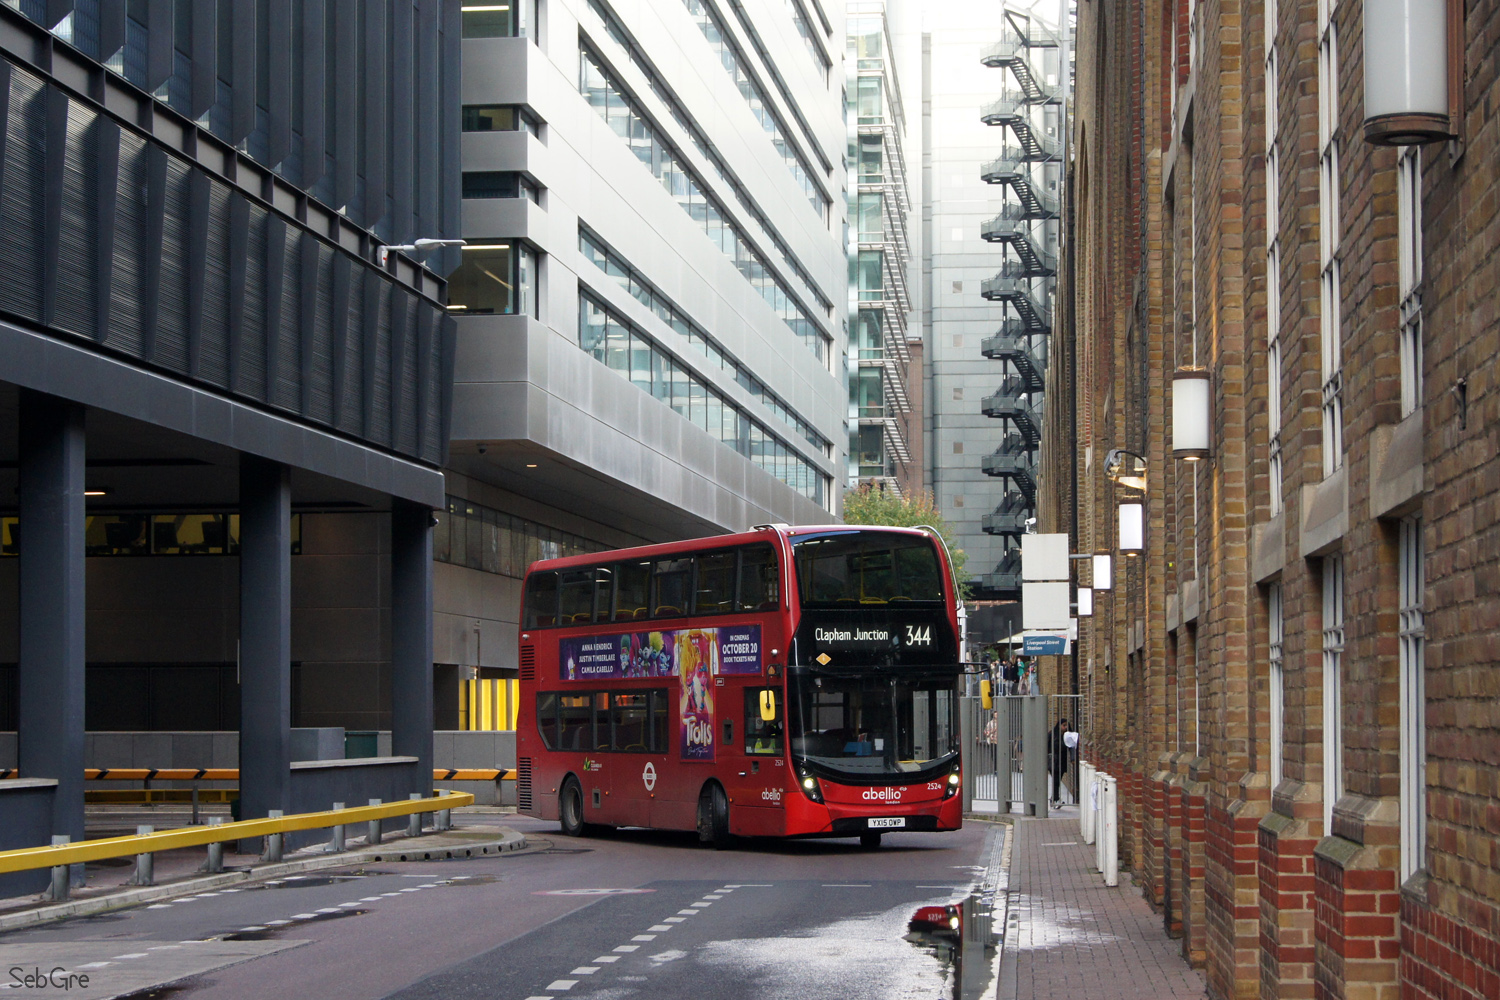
(328,909)
(584,970)
(369,899)
(390,894)
(299,916)
(644,937)
(159,906)
(562,984)
(627,947)
(713,897)
(251,929)
(676,920)
(164,947)
(428,885)
(94,965)
(231,890)
(415,889)
(607,958)
(659,927)
(699,905)
(133,954)
(345,906)
(277,923)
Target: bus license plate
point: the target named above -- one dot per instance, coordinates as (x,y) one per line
(887,823)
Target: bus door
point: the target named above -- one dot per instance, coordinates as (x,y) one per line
(627,732)
(754,745)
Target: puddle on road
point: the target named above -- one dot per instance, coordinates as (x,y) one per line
(312,881)
(471,880)
(271,932)
(961,936)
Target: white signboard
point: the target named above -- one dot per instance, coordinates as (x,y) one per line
(1044,557)
(1045,605)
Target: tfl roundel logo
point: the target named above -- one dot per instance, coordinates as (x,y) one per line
(648,776)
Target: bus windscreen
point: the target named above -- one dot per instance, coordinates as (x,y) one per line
(856,568)
(868,725)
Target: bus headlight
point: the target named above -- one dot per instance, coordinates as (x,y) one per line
(810,788)
(955,782)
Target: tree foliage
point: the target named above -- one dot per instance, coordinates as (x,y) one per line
(869,504)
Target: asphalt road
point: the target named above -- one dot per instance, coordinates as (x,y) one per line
(634,914)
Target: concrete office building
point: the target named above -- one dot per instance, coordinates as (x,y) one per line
(221,423)
(651,307)
(956,84)
(885,349)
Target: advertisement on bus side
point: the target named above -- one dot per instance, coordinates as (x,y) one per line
(630,655)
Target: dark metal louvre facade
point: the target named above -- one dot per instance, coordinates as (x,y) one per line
(209,208)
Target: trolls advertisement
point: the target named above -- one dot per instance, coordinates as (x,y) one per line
(694,656)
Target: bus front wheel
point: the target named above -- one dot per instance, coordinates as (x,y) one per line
(713,817)
(570,808)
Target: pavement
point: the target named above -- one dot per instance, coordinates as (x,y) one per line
(1068,935)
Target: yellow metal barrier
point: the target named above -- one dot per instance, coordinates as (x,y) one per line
(31,858)
(233,774)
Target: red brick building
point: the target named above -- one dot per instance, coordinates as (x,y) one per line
(1297,679)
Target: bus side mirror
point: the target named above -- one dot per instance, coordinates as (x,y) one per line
(768,706)
(986,699)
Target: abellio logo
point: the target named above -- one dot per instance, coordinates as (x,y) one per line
(882,795)
(771,795)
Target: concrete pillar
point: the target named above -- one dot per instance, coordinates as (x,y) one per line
(411,637)
(51,668)
(265,638)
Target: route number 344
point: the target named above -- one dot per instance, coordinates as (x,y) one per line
(919,635)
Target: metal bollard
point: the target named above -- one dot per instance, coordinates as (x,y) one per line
(1111,836)
(215,862)
(414,821)
(60,875)
(373,836)
(273,850)
(336,834)
(145,866)
(445,819)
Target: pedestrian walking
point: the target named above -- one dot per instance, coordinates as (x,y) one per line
(1010,673)
(1058,749)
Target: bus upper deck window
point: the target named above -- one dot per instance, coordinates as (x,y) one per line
(673,583)
(576,606)
(758,579)
(632,591)
(541,600)
(715,583)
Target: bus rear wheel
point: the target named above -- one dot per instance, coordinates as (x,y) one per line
(713,817)
(570,808)
(870,839)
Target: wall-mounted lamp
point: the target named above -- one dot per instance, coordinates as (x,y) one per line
(1406,72)
(1126,468)
(1103,571)
(1190,419)
(1085,602)
(1132,528)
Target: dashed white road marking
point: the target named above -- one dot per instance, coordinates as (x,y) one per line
(562,984)
(659,927)
(413,889)
(159,906)
(698,905)
(644,937)
(133,954)
(277,923)
(369,899)
(346,906)
(251,929)
(676,920)
(94,965)
(164,947)
(584,970)
(715,896)
(627,947)
(328,909)
(687,913)
(298,916)
(607,958)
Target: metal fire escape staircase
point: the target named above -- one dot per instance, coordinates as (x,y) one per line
(1012,169)
(1013,287)
(1005,582)
(1013,227)
(1009,518)
(1014,461)
(1036,146)
(1011,345)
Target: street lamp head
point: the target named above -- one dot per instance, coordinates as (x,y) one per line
(1126,468)
(416,248)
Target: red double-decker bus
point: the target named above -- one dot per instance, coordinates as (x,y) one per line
(780,682)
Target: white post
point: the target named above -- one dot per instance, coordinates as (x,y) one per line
(1100,780)
(1086,801)
(1111,836)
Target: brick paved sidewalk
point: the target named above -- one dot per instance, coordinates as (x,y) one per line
(1076,939)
